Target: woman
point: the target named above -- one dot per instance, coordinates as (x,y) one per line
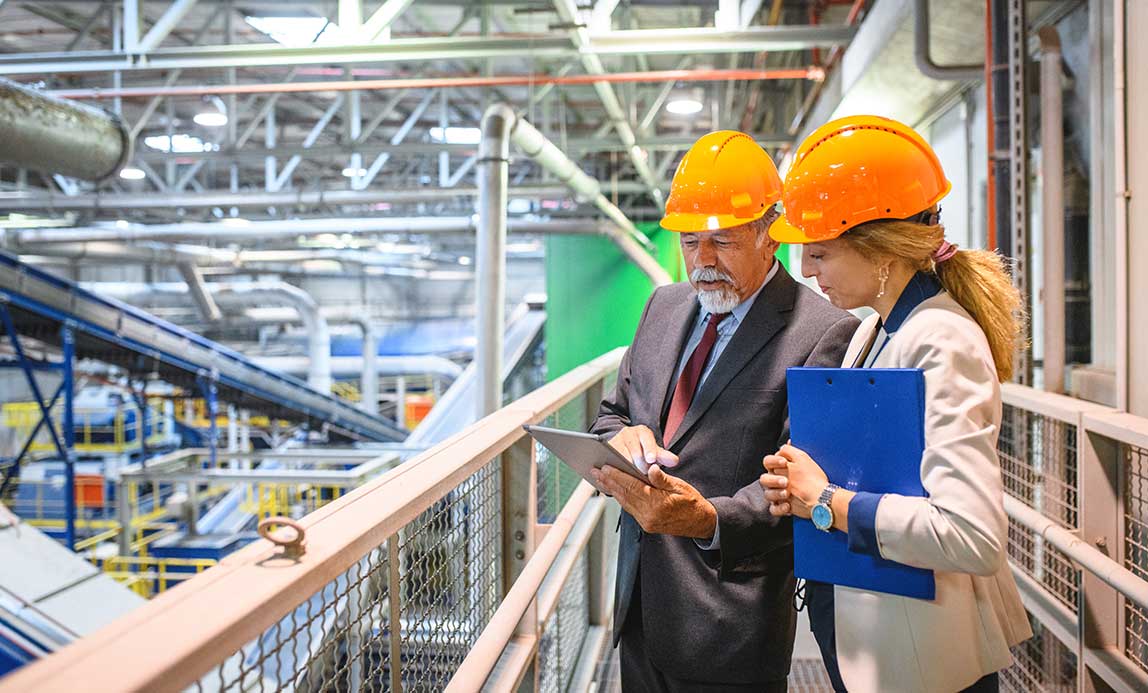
(862,198)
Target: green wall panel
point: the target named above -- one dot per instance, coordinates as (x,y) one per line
(595,296)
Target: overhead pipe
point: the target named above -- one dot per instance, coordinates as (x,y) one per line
(1052,204)
(54,136)
(244,295)
(117,202)
(218,232)
(199,292)
(346,366)
(627,236)
(534,80)
(967,72)
(369,375)
(492,172)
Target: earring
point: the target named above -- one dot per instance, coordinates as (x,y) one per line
(883,275)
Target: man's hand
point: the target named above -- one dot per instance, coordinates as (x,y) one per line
(666,506)
(637,444)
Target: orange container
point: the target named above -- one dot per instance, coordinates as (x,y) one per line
(418,406)
(89,491)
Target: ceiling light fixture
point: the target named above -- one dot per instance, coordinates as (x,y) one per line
(351,172)
(210,119)
(456,135)
(132,173)
(297,31)
(684,106)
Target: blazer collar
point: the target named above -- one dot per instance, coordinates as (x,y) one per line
(765,319)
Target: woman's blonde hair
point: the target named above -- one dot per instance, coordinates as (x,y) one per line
(976,279)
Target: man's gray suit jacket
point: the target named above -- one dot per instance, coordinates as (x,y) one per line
(724,615)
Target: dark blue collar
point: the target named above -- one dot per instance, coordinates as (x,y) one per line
(923,286)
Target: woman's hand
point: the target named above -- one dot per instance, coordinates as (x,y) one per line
(792,482)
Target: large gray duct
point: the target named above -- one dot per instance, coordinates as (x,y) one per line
(51,135)
(241,295)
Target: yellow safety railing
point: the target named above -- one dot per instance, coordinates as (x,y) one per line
(269,499)
(90,437)
(148,576)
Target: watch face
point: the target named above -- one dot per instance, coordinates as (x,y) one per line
(822,517)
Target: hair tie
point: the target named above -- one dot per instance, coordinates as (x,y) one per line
(944,252)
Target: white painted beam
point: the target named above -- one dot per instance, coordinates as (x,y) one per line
(169,21)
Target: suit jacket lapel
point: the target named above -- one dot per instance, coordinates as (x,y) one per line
(765,319)
(679,323)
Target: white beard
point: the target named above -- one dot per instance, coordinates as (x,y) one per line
(717,302)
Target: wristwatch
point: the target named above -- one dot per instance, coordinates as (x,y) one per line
(822,513)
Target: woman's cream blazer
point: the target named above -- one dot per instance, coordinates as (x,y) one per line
(890,643)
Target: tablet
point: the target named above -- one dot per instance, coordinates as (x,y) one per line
(583,452)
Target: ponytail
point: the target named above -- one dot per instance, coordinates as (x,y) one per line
(978,280)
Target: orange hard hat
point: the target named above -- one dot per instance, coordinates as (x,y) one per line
(853,170)
(724,180)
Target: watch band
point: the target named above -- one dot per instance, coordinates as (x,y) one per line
(826,496)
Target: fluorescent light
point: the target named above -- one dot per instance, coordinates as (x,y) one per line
(297,31)
(180,144)
(132,173)
(350,172)
(211,119)
(122,223)
(464,260)
(236,221)
(453,135)
(684,106)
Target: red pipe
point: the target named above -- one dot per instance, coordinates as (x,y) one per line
(811,73)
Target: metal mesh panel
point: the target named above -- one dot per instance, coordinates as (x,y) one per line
(337,640)
(565,632)
(1038,460)
(556,481)
(1041,663)
(451,575)
(1136,549)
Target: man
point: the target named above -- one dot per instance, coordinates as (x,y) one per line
(704,597)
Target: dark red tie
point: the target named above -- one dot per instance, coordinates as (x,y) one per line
(688,380)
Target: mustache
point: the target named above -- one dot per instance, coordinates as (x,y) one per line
(709,274)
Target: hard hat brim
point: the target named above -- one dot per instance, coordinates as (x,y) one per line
(681,222)
(784,232)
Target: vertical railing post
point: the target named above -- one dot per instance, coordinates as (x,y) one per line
(1100,607)
(394,598)
(519,521)
(69,435)
(124,513)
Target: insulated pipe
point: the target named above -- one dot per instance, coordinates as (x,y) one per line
(925,60)
(284,229)
(1052,203)
(533,80)
(490,255)
(19,202)
(244,295)
(627,236)
(369,373)
(353,365)
(48,134)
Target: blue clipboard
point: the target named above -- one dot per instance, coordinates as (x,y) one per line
(866,428)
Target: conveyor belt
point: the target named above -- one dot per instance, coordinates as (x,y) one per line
(114,332)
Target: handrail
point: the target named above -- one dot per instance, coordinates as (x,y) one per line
(1079,551)
(486,652)
(219,611)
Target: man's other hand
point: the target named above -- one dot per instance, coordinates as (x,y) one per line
(666,505)
(637,444)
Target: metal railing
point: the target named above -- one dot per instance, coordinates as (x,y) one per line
(1076,478)
(407,583)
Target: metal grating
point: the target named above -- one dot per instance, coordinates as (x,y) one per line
(565,632)
(451,576)
(448,572)
(336,640)
(1136,549)
(1041,663)
(1038,459)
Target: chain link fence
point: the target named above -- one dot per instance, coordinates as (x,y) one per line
(1038,460)
(1042,663)
(1136,548)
